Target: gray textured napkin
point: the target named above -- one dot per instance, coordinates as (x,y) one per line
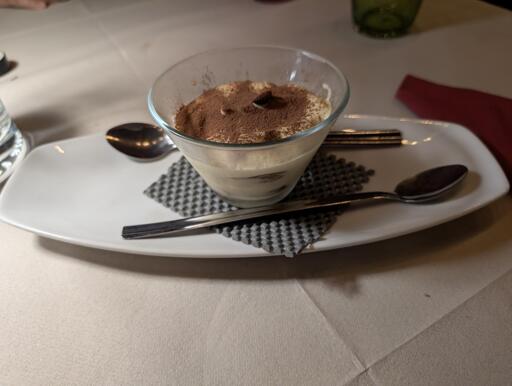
(184,191)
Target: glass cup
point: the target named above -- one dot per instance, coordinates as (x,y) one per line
(7,131)
(248,175)
(5,125)
(384,18)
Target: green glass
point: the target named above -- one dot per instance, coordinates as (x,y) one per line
(384,18)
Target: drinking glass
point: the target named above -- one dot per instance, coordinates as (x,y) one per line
(384,18)
(7,130)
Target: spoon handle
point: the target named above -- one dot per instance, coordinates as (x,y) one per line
(167,228)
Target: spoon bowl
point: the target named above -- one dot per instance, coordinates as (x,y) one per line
(140,140)
(430,184)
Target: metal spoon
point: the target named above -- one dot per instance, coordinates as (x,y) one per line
(147,142)
(140,140)
(423,187)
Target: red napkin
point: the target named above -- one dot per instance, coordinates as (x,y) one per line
(488,116)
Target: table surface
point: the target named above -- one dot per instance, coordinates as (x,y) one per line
(429,308)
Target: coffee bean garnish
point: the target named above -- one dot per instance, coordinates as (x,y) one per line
(226,110)
(263,99)
(266,100)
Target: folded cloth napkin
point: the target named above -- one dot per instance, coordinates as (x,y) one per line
(488,116)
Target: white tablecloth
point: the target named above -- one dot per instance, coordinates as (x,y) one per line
(429,308)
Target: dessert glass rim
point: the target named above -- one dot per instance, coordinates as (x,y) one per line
(333,115)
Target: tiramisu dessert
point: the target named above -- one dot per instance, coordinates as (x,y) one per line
(251,112)
(248,112)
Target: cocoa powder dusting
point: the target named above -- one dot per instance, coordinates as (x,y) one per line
(243,115)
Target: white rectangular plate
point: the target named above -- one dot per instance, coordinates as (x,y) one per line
(82,191)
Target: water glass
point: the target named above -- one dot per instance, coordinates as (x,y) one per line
(5,125)
(384,18)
